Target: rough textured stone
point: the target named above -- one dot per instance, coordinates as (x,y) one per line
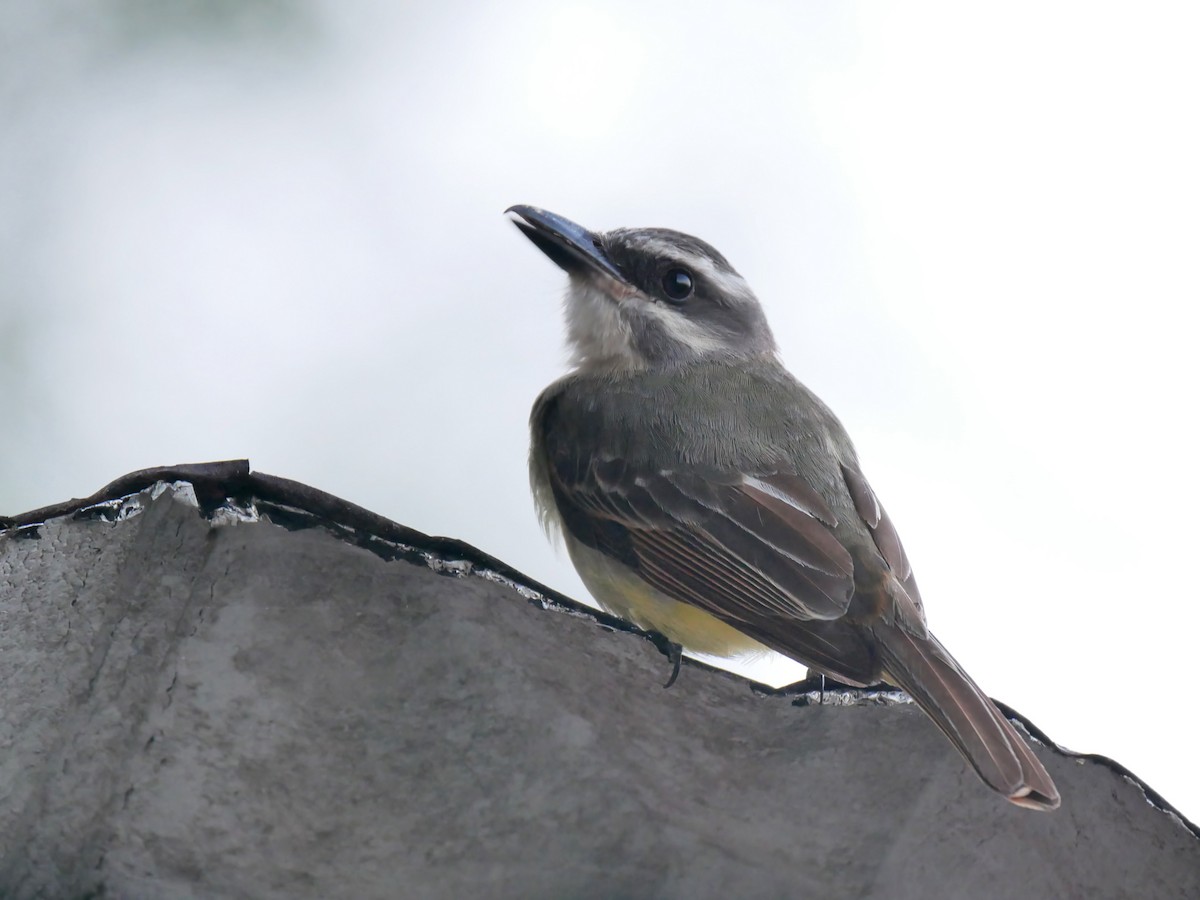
(196,705)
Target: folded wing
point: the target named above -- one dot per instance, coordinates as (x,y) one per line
(756,551)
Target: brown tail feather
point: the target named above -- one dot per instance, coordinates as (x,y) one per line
(985,738)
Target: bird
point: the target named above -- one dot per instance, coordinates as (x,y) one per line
(704,493)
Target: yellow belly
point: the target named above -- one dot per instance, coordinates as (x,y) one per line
(623,594)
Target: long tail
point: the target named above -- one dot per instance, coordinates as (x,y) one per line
(985,738)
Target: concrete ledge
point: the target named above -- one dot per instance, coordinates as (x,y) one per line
(241,687)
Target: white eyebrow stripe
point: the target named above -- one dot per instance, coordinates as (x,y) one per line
(728,282)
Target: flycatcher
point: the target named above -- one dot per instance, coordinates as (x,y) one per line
(704,493)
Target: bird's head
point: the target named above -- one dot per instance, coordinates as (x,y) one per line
(648,297)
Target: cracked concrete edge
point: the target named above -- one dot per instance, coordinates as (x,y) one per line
(231,488)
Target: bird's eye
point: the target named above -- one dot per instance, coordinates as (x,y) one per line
(677,285)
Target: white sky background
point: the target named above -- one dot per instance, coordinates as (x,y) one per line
(278,234)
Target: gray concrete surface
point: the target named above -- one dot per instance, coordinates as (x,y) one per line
(195,706)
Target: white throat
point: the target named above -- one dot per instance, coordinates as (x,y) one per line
(599,336)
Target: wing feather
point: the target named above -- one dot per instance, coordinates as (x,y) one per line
(883,532)
(757,552)
(742,547)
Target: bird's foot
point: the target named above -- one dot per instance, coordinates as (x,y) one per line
(675,657)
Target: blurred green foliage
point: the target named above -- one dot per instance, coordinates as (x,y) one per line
(141,22)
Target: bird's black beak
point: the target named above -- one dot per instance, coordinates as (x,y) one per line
(571,246)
